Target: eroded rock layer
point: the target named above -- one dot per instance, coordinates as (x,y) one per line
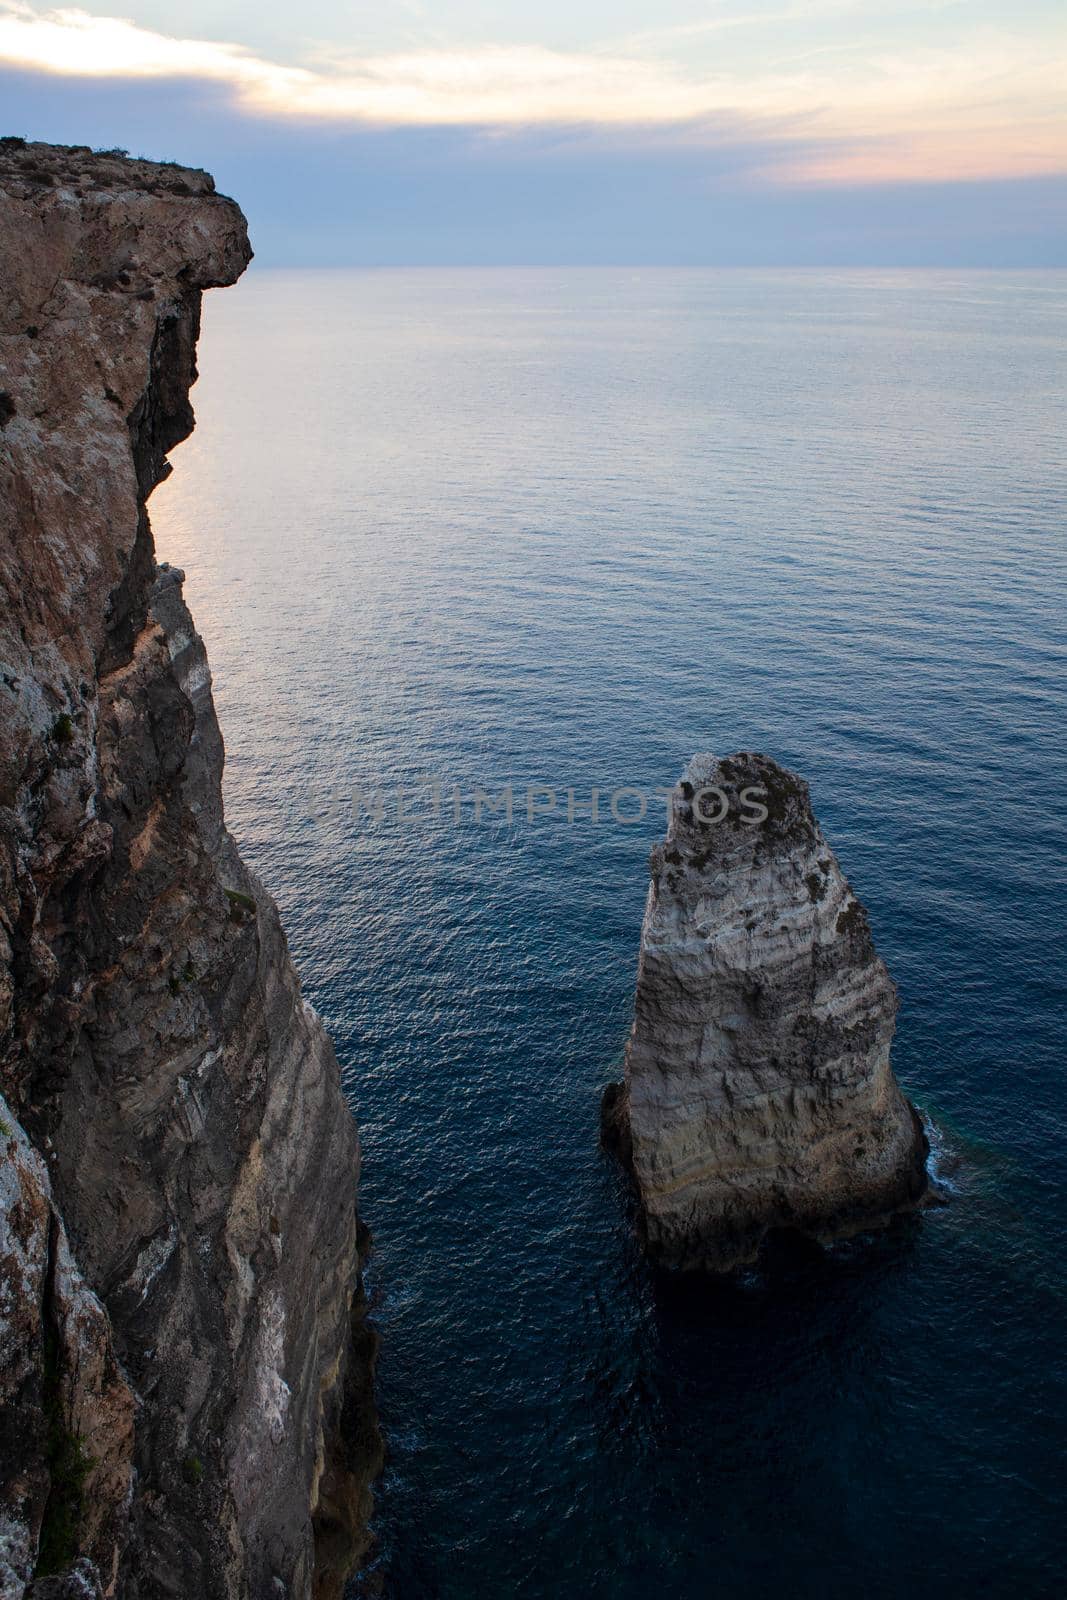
(758,1090)
(181,1247)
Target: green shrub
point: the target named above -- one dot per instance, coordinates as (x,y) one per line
(239,904)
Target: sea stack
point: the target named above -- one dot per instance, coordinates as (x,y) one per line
(758,1093)
(185,1389)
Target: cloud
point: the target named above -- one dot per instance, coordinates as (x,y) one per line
(322,193)
(995,109)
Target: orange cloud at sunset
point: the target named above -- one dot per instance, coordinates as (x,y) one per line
(995,110)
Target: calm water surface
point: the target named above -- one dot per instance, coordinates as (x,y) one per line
(567,528)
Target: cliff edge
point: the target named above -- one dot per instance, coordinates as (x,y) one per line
(180,1301)
(758,1092)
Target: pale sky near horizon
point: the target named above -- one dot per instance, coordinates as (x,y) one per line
(834,109)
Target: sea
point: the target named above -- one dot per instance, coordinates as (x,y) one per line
(535,533)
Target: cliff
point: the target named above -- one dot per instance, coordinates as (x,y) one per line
(758,1092)
(179,1240)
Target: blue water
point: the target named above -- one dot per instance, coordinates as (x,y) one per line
(567,528)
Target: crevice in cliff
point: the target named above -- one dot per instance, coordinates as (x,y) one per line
(161,419)
(68,1465)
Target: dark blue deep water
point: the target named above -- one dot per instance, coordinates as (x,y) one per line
(567,528)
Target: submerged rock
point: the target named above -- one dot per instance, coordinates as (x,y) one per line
(202,1164)
(758,1092)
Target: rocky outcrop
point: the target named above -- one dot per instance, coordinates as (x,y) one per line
(185,1275)
(66,1412)
(758,1092)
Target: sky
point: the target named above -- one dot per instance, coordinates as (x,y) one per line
(684,132)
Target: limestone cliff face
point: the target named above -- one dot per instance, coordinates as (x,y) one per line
(181,1246)
(758,1089)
